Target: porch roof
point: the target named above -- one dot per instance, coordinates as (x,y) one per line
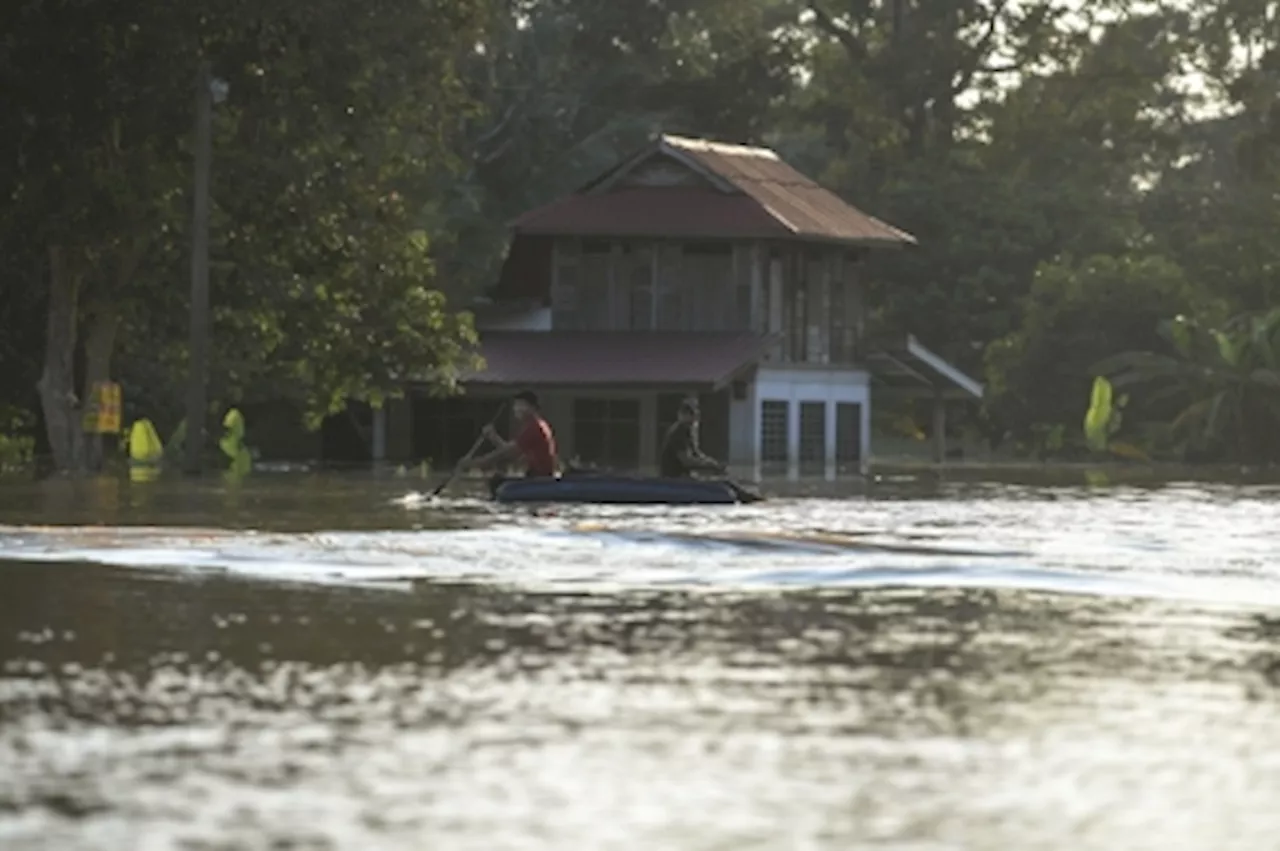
(915,370)
(616,358)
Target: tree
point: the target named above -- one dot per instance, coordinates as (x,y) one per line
(323,274)
(1001,135)
(1077,314)
(1224,383)
(569,87)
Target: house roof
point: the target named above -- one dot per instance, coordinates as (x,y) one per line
(911,368)
(615,358)
(750,193)
(676,211)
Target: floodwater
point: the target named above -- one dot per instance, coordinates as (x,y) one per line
(315,662)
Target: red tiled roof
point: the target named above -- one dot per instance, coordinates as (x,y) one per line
(576,358)
(758,195)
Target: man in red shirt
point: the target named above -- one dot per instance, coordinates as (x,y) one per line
(534,444)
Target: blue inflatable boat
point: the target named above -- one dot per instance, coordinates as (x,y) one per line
(620,490)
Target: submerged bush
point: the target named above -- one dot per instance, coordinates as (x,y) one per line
(17,449)
(16,453)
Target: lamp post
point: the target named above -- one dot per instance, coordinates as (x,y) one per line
(208,92)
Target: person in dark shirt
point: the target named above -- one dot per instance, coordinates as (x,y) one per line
(681,456)
(534,443)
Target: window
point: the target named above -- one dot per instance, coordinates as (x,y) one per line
(773,431)
(708,271)
(593,286)
(819,309)
(564,299)
(773,297)
(846,307)
(842,350)
(773,309)
(797,352)
(808,300)
(745,307)
(671,306)
(848,434)
(640,290)
(813,436)
(606,432)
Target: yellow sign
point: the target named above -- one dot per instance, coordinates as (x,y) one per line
(102,414)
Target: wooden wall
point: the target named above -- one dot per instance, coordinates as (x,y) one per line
(811,295)
(814,300)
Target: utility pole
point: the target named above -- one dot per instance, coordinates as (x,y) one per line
(197,400)
(208,91)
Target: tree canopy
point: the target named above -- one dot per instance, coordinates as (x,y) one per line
(1075,174)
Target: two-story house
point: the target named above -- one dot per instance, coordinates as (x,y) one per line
(691,268)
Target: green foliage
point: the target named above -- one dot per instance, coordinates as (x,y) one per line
(232,445)
(1220,387)
(177,442)
(1076,314)
(16,452)
(323,282)
(145,448)
(1067,189)
(1104,418)
(17,447)
(569,87)
(1098,419)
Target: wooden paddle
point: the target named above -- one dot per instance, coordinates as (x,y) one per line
(744,494)
(475,447)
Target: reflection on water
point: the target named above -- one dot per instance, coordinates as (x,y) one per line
(281,502)
(213,713)
(929,665)
(1194,542)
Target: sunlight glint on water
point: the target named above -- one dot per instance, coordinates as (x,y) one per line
(1181,542)
(966,667)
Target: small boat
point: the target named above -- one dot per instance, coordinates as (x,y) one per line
(621,490)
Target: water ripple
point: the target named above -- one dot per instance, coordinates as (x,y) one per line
(1182,541)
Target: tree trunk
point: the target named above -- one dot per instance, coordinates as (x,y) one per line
(99,344)
(57,382)
(102,329)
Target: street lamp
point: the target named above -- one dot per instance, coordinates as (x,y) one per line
(209,90)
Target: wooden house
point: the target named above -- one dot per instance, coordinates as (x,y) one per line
(693,268)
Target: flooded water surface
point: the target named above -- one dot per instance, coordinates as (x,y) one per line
(340,662)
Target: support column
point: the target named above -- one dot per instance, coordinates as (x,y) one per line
(650,439)
(793,439)
(864,436)
(759,321)
(832,440)
(757,426)
(939,428)
(379,437)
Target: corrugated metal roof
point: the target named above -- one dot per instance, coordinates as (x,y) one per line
(760,196)
(803,206)
(658,212)
(619,358)
(911,368)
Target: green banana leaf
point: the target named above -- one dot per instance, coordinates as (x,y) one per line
(1098,418)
